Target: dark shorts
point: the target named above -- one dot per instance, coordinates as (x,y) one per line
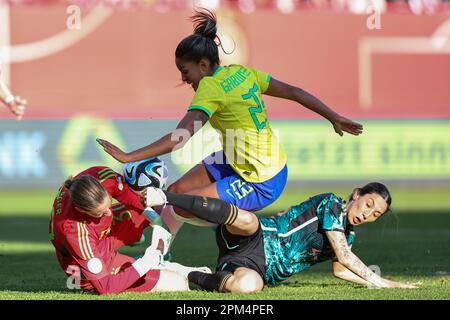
(240,251)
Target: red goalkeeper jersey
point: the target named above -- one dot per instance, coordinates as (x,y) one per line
(83,242)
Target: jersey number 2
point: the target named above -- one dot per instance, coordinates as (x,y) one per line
(254,110)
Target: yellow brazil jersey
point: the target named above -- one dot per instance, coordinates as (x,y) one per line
(232,100)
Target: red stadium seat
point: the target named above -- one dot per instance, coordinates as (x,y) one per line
(398,6)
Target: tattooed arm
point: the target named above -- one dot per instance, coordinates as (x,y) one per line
(342,272)
(348,260)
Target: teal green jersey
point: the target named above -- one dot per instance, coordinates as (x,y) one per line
(297,240)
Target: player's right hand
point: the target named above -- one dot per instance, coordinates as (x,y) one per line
(155,197)
(113,150)
(342,125)
(17,107)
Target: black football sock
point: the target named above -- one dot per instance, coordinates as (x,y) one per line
(210,282)
(209,209)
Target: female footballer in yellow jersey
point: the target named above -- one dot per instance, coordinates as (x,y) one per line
(250,172)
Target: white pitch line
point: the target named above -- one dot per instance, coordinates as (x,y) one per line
(4,43)
(438,43)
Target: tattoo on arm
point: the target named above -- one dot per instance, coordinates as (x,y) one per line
(343,247)
(342,272)
(352,262)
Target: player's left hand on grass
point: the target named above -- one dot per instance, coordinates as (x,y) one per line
(113,150)
(342,124)
(406,286)
(411,285)
(400,285)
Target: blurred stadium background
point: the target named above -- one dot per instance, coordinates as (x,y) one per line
(112,75)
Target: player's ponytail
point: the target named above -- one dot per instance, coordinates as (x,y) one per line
(68,182)
(202,43)
(205,23)
(86,192)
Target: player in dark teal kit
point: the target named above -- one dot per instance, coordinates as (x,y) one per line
(255,251)
(296,241)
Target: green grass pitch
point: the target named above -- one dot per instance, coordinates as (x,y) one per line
(407,246)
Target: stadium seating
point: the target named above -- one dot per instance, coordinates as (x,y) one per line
(339,6)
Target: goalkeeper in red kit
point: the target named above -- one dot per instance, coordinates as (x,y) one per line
(86,231)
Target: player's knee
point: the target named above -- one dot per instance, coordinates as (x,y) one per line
(246,282)
(178,187)
(247,222)
(249,219)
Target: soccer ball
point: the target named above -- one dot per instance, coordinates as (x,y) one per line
(151,172)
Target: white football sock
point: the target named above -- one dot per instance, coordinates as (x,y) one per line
(179,268)
(169,217)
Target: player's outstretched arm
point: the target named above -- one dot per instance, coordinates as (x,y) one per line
(343,273)
(350,261)
(283,90)
(191,123)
